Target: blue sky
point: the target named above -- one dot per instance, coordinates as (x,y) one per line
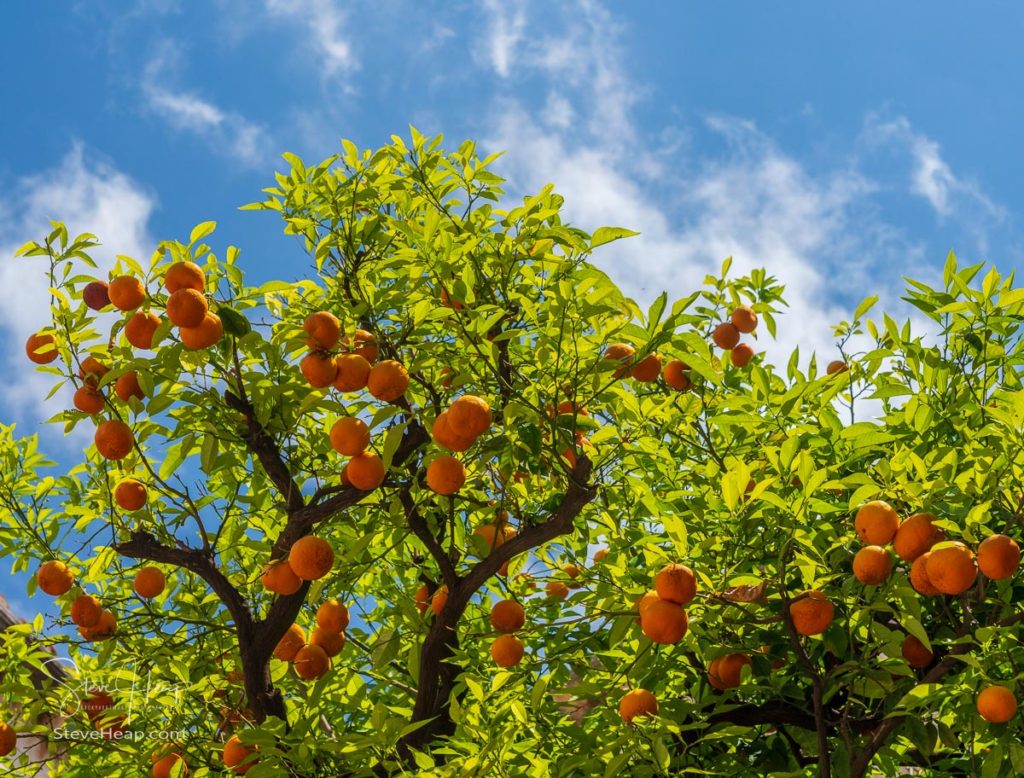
(840,146)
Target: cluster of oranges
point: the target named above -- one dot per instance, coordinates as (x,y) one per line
(312,659)
(742,321)
(308,559)
(662,616)
(507,617)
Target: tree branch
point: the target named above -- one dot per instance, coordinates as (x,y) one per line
(422,531)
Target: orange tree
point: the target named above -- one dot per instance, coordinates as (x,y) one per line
(454,505)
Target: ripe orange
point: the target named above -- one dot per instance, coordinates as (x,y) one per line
(647,369)
(439,600)
(726,336)
(88,400)
(600,554)
(140,329)
(235,752)
(91,370)
(508,616)
(638,702)
(86,610)
(8,738)
(919,576)
(311,557)
(446,475)
(556,590)
(127,386)
(279,578)
(741,355)
(365,345)
(493,537)
(675,583)
(105,627)
(323,329)
(126,293)
(164,766)
(330,642)
(130,494)
(915,653)
(951,569)
(186,308)
(915,536)
(54,578)
(664,622)
(677,375)
(469,416)
(114,439)
(507,651)
(422,598)
(319,369)
(998,557)
(876,522)
(184,275)
(445,436)
(744,319)
(350,436)
(353,372)
(997,704)
(96,295)
(726,672)
(332,616)
(643,602)
(620,352)
(206,334)
(872,565)
(836,366)
(448,301)
(387,381)
(150,582)
(812,614)
(41,348)
(365,471)
(311,662)
(290,643)
(572,571)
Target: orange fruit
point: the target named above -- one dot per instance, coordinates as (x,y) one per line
(600,554)
(508,616)
(387,381)
(330,642)
(332,616)
(88,400)
(741,355)
(492,536)
(638,702)
(41,348)
(422,598)
(647,369)
(8,738)
(114,439)
(744,319)
(644,601)
(836,366)
(365,471)
(149,582)
(812,614)
(726,336)
(206,334)
(184,275)
(323,329)
(55,578)
(446,475)
(876,522)
(998,557)
(186,308)
(130,494)
(872,565)
(664,622)
(350,436)
(105,627)
(556,590)
(448,302)
(164,766)
(127,386)
(439,600)
(311,557)
(126,293)
(86,610)
(365,345)
(951,569)
(997,704)
(919,576)
(96,295)
(445,436)
(279,578)
(469,416)
(319,369)
(572,571)
(726,672)
(91,370)
(675,583)
(619,352)
(915,653)
(235,752)
(290,643)
(353,372)
(140,329)
(311,662)
(677,375)
(915,536)
(507,651)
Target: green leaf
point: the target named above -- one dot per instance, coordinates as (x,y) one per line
(200,231)
(603,235)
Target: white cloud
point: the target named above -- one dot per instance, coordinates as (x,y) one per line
(506,21)
(226,131)
(325,21)
(89,196)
